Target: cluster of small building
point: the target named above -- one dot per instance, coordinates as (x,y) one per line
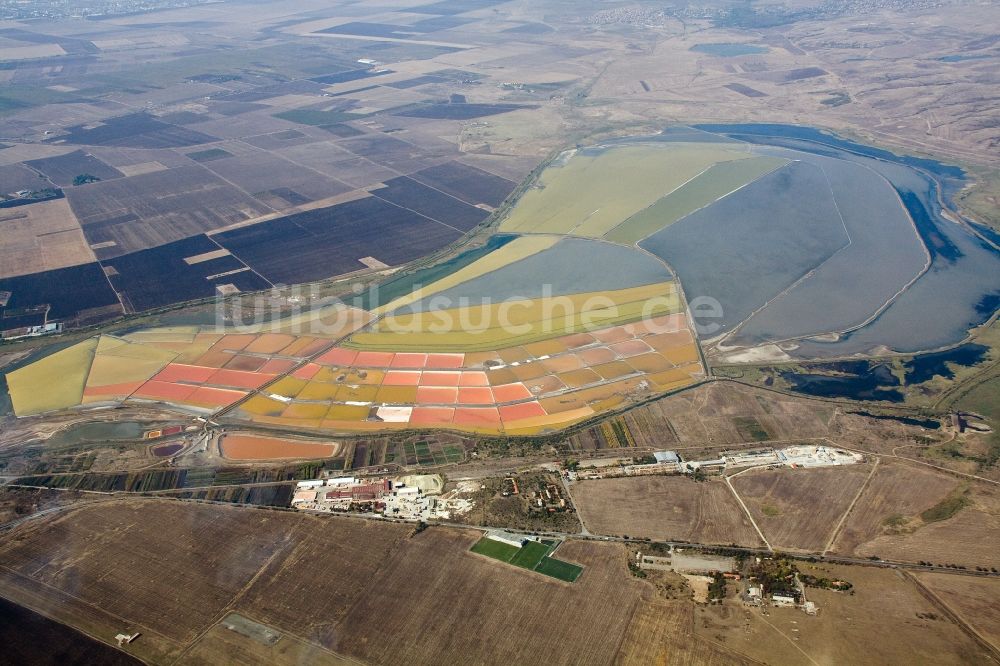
(669,462)
(550,499)
(789,594)
(406,498)
(754,596)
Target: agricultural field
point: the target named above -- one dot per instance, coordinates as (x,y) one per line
(666,508)
(41,237)
(38,298)
(424,451)
(162,207)
(223,644)
(145,580)
(315,583)
(436,617)
(139,578)
(799,509)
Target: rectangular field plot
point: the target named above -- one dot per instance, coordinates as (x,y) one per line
(39,237)
(408,193)
(266,172)
(467,183)
(664,508)
(429,452)
(64,169)
(162,276)
(135,130)
(531,555)
(144,211)
(498,550)
(554,568)
(321,243)
(75,292)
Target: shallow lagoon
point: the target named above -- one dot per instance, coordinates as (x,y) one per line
(953,295)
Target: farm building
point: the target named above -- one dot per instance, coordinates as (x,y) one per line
(666,457)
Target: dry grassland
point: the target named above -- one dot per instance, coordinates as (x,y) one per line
(664,508)
(662,632)
(896,490)
(969,538)
(974,600)
(708,416)
(221,645)
(170,570)
(885,621)
(798,509)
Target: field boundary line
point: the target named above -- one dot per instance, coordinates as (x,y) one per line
(783,635)
(230,605)
(746,510)
(843,518)
(954,616)
(955,472)
(127,622)
(89,635)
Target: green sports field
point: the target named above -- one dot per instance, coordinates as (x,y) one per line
(558,569)
(495,549)
(533,556)
(530,555)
